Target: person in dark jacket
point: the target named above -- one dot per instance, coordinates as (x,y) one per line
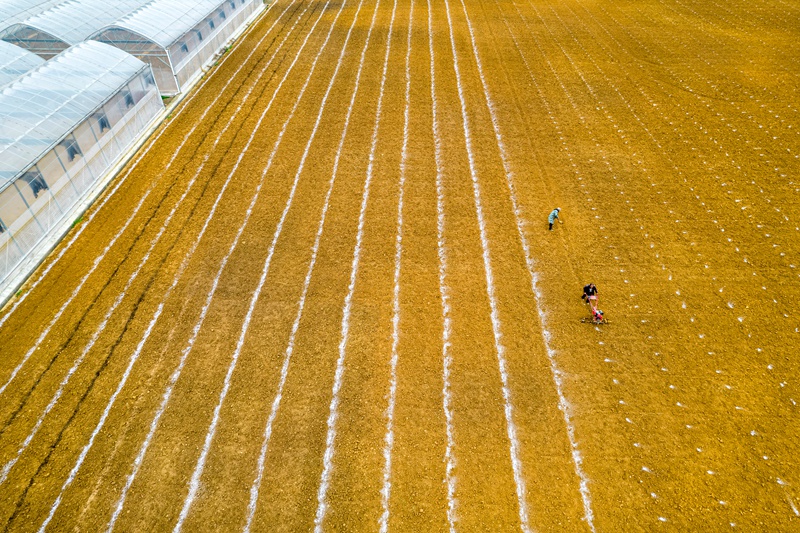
(590,295)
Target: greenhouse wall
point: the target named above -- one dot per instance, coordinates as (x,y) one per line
(142,48)
(41,198)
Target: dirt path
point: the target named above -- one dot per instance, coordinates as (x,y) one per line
(326,296)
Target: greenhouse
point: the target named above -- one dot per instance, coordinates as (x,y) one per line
(65,24)
(177,37)
(63,125)
(13,11)
(14,62)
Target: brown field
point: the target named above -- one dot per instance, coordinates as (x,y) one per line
(325,295)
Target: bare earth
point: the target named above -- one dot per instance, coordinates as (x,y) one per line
(325,295)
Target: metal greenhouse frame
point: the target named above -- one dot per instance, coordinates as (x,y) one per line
(63,125)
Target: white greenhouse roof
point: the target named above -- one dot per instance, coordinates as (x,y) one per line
(13,11)
(15,61)
(73,21)
(41,108)
(166,21)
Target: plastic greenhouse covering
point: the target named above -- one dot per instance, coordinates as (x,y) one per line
(14,62)
(71,22)
(63,125)
(177,37)
(13,11)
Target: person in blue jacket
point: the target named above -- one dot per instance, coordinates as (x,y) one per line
(553,217)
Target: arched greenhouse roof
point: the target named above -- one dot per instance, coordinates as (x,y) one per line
(13,11)
(15,61)
(73,21)
(41,108)
(166,21)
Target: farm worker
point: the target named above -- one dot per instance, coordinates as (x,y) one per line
(553,217)
(590,295)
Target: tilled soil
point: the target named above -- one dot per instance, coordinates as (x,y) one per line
(325,294)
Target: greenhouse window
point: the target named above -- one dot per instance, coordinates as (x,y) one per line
(184,48)
(222,15)
(36,181)
(128,99)
(211,24)
(102,121)
(72,148)
(199,35)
